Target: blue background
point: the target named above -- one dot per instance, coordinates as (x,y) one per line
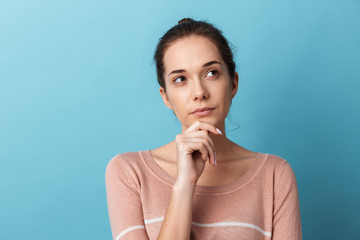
(78,86)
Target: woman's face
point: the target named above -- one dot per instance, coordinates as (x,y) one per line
(197,77)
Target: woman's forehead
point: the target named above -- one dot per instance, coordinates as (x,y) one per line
(190,53)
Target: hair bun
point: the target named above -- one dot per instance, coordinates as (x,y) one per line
(185,20)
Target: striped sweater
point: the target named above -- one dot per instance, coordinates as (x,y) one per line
(261,204)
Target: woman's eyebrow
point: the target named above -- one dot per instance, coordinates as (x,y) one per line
(205,65)
(210,63)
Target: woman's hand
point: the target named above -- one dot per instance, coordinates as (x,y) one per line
(194,147)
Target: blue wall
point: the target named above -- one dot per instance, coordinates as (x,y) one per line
(78,86)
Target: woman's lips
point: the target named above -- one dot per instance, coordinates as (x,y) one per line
(204,112)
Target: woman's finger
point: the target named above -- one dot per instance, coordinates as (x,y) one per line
(202,134)
(205,142)
(200,125)
(200,147)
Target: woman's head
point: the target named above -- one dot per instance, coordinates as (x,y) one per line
(196,70)
(185,28)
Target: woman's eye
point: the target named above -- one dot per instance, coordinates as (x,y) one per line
(212,73)
(179,79)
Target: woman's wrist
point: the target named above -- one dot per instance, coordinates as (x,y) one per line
(184,186)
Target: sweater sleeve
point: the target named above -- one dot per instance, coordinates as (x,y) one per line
(123,200)
(286,217)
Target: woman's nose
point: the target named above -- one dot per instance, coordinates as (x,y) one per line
(200,91)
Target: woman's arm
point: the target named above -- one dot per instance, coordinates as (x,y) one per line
(177,220)
(286,218)
(194,147)
(123,200)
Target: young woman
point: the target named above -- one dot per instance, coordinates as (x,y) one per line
(201,185)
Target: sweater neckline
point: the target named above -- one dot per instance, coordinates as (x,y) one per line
(200,189)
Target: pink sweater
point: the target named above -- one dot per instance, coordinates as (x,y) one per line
(262,204)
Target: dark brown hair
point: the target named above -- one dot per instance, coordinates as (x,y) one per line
(187,27)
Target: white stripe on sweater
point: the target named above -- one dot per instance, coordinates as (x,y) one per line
(217,224)
(234,224)
(129,230)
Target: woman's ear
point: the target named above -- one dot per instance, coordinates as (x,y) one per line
(235,84)
(164,97)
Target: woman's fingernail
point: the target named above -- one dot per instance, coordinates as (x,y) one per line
(215,158)
(218,130)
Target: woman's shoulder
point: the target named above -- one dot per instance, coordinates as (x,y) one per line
(126,161)
(279,165)
(274,159)
(127,156)
(125,169)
